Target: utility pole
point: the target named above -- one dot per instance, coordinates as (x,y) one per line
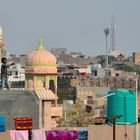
(137,126)
(114,125)
(106,31)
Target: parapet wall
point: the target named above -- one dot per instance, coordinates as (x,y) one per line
(105,132)
(19,103)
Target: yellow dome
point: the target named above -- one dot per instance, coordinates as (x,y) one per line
(41,57)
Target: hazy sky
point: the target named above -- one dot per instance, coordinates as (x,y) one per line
(73,24)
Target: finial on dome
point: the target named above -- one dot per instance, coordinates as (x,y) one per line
(40,45)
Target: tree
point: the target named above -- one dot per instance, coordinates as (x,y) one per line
(126,68)
(103,59)
(76,116)
(63,94)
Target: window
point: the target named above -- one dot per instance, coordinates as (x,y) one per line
(89,99)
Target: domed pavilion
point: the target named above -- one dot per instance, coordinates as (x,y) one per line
(41,71)
(41,78)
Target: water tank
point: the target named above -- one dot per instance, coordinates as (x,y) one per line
(123,102)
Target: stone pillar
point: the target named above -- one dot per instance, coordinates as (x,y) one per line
(47,114)
(47,82)
(55,85)
(40,115)
(34,82)
(55,82)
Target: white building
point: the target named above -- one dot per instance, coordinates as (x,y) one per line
(16,76)
(102,72)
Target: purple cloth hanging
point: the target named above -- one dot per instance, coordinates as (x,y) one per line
(72,135)
(51,135)
(62,134)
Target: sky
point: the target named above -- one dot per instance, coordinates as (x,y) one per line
(73,24)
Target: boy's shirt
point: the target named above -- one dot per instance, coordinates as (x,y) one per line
(4,68)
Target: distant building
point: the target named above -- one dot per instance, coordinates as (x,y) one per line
(123,74)
(136,58)
(102,72)
(93,96)
(22,59)
(76,59)
(76,54)
(13,58)
(58,51)
(17,77)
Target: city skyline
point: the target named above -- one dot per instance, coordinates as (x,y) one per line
(75,25)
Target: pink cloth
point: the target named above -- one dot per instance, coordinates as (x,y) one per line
(21,135)
(38,134)
(13,134)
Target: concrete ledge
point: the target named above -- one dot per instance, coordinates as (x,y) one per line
(19,103)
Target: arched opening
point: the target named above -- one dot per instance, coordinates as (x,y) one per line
(52,86)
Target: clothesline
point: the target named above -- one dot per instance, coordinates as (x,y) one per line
(40,134)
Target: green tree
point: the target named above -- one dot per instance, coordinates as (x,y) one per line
(126,68)
(63,94)
(103,59)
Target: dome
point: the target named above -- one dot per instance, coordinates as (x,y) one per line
(41,61)
(41,57)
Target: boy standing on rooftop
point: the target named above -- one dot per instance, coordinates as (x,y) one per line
(4,73)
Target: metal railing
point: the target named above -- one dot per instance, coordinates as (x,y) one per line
(20,85)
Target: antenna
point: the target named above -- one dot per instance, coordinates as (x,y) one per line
(112,35)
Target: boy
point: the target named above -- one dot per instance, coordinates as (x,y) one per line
(4,73)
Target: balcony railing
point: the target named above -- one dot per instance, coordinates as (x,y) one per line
(20,85)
